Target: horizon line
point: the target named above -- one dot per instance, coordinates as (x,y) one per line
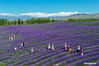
(42,14)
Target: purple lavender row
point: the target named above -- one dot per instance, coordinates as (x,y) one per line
(82,61)
(44,55)
(56,55)
(75,54)
(80,57)
(37,56)
(38,50)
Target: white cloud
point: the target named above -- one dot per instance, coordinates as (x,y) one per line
(6,14)
(39,14)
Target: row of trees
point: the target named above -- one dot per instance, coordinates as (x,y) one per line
(5,22)
(78,20)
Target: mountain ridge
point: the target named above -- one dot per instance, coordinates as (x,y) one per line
(77,16)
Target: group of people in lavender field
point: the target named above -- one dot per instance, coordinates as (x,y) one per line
(50,47)
(13,37)
(67,48)
(22,45)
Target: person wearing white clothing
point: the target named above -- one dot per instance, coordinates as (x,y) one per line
(53,47)
(15,48)
(32,49)
(11,37)
(65,46)
(22,44)
(49,46)
(78,48)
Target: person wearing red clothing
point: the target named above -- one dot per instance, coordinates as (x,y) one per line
(68,48)
(15,36)
(82,52)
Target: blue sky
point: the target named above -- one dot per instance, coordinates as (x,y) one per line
(49,6)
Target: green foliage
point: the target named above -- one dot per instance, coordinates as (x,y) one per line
(20,22)
(38,21)
(20,53)
(78,20)
(10,62)
(25,65)
(71,20)
(26,51)
(5,22)
(3,64)
(38,64)
(13,54)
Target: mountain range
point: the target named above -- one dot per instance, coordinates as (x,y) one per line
(81,16)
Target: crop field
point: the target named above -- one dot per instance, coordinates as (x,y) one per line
(39,36)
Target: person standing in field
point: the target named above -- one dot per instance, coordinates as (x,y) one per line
(68,48)
(15,48)
(49,46)
(82,52)
(78,48)
(52,46)
(65,47)
(15,36)
(9,38)
(22,44)
(32,50)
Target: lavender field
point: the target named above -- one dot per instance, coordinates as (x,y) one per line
(39,36)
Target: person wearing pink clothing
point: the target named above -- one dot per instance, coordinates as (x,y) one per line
(82,51)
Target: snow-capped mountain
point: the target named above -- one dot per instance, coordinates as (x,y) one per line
(57,16)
